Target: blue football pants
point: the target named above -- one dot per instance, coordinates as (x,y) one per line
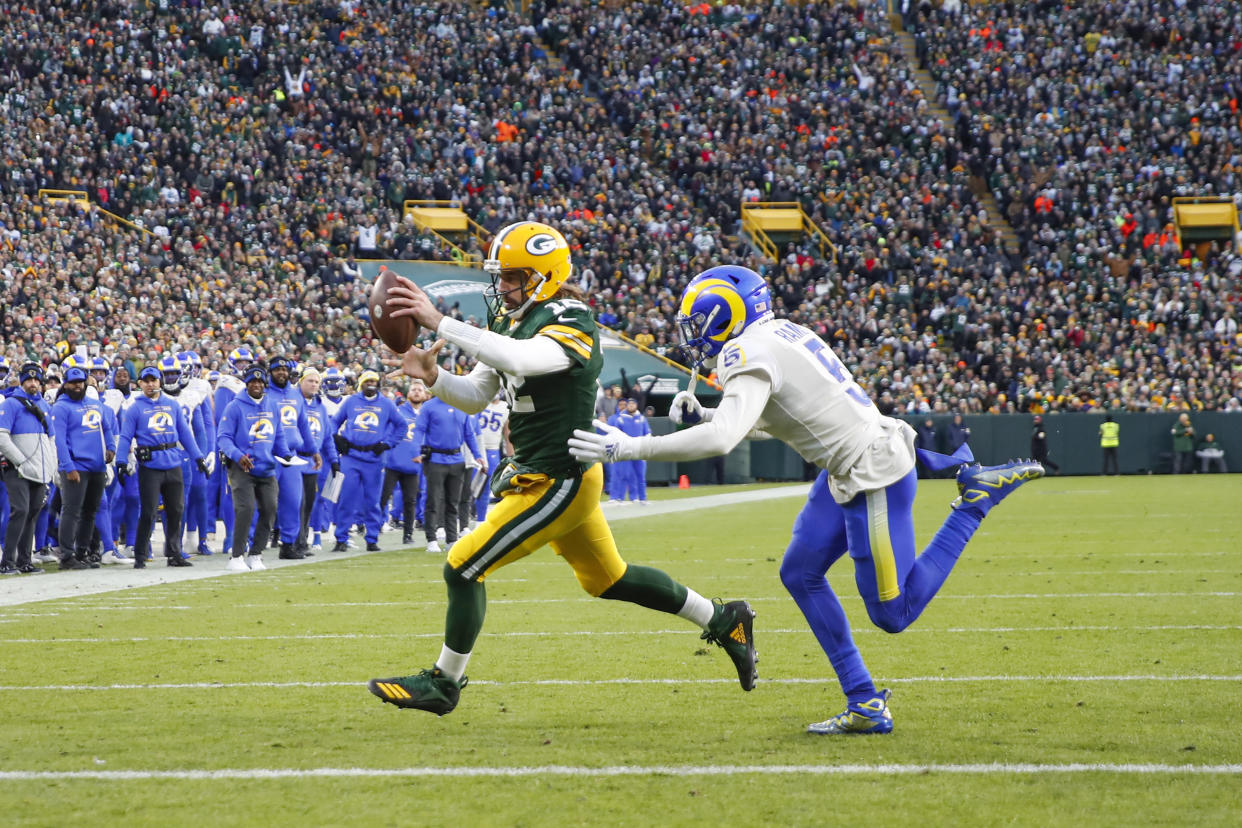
(877,529)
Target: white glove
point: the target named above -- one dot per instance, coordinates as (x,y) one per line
(210,462)
(686,409)
(609,447)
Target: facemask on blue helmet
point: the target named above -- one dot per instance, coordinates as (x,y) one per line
(718,305)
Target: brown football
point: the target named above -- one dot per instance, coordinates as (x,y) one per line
(397,332)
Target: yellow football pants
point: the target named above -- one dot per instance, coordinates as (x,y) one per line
(561,512)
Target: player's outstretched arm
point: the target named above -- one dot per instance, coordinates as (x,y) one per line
(743,402)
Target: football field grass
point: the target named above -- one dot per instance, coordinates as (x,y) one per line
(1083,662)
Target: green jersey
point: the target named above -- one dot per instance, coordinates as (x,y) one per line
(545,410)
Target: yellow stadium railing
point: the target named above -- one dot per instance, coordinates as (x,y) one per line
(123,221)
(683,369)
(83,197)
(428,213)
(64,195)
(759,218)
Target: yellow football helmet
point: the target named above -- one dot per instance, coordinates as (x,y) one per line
(536,248)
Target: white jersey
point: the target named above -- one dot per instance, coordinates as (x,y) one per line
(491,422)
(192,396)
(117,401)
(332,406)
(818,409)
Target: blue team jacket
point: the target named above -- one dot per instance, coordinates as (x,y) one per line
(402,456)
(635,425)
(441,426)
(83,433)
(365,422)
(319,421)
(291,405)
(159,422)
(252,427)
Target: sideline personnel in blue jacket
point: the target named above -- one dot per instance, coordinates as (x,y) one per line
(251,438)
(156,423)
(84,441)
(369,425)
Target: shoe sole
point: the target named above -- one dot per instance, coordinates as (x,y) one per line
(376,686)
(875,731)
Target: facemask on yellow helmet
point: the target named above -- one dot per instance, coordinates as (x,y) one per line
(540,253)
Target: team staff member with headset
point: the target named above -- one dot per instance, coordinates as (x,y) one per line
(369,425)
(251,437)
(28,457)
(84,447)
(156,423)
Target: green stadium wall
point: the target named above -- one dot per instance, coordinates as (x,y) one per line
(1073,443)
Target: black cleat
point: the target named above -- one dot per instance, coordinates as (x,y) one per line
(73,563)
(372,546)
(341,546)
(429,690)
(177,560)
(732,628)
(288,553)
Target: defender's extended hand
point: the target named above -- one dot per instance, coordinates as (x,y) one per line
(685,409)
(609,447)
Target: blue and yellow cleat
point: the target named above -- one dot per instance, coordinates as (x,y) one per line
(871,716)
(982,487)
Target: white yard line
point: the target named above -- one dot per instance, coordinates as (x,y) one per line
(943,596)
(597,633)
(993,769)
(934,679)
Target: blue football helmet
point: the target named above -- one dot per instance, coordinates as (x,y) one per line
(191,363)
(719,304)
(333,382)
(99,368)
(75,361)
(170,373)
(237,356)
(4,368)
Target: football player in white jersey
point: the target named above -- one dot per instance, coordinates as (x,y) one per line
(492,422)
(780,378)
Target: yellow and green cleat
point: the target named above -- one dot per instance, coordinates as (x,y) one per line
(732,629)
(428,690)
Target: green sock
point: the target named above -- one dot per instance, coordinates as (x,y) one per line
(467,604)
(648,588)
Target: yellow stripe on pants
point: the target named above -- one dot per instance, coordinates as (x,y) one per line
(881,547)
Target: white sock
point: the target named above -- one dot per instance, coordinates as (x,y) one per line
(452,663)
(697,609)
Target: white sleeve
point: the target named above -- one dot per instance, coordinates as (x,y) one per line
(470,393)
(515,357)
(744,399)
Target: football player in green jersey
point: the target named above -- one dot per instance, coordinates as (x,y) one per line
(543,352)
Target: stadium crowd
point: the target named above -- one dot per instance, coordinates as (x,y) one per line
(264,149)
